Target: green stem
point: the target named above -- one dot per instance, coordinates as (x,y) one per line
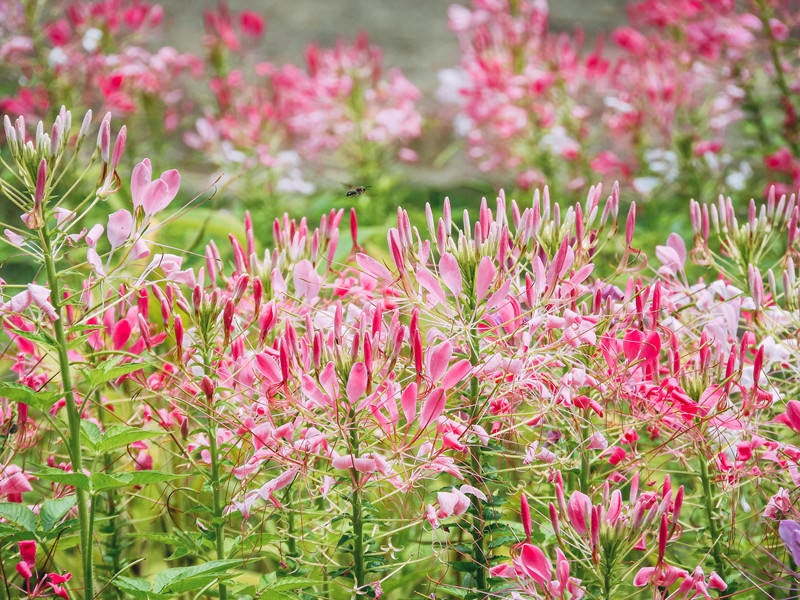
(357,516)
(73,438)
(219,524)
(113,549)
(713,526)
(479,551)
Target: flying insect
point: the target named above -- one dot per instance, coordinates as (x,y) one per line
(354,190)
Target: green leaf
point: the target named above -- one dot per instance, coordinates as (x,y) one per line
(106,481)
(53,510)
(79,480)
(292,583)
(452,590)
(19,515)
(22,393)
(91,433)
(180,579)
(465,566)
(108,371)
(118,436)
(137,587)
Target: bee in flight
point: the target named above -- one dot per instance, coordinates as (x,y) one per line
(354,190)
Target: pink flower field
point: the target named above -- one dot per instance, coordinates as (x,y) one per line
(226,375)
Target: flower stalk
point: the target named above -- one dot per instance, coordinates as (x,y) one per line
(73,440)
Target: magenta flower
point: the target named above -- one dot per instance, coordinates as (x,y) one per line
(533,563)
(151,195)
(790,534)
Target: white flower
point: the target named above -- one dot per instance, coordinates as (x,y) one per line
(91,39)
(57,57)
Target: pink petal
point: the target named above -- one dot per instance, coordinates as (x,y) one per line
(140,179)
(451,273)
(456,374)
(439,359)
(447,503)
(307,281)
(535,564)
(578,509)
(122,332)
(269,368)
(484,277)
(356,383)
(120,227)
(173,181)
(468,489)
(431,284)
(94,234)
(632,344)
(432,408)
(408,400)
(93,258)
(643,576)
(40,296)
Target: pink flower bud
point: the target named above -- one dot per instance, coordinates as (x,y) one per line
(207,387)
(104,138)
(579,512)
(119,147)
(354,228)
(525,514)
(630,224)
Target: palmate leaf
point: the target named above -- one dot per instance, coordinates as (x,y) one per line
(99,482)
(108,371)
(274,584)
(181,579)
(53,510)
(177,580)
(18,514)
(22,393)
(116,436)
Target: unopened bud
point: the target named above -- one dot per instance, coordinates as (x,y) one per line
(119,147)
(104,138)
(84,130)
(207,387)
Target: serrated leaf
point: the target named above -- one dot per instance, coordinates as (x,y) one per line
(53,510)
(91,433)
(118,436)
(22,393)
(174,580)
(19,515)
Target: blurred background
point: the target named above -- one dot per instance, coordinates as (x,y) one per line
(413,34)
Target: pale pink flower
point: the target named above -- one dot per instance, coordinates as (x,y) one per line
(152,196)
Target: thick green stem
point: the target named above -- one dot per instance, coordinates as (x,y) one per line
(713,526)
(73,438)
(219,524)
(112,549)
(357,516)
(479,552)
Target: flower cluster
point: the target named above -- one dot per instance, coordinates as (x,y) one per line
(92,54)
(341,111)
(665,108)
